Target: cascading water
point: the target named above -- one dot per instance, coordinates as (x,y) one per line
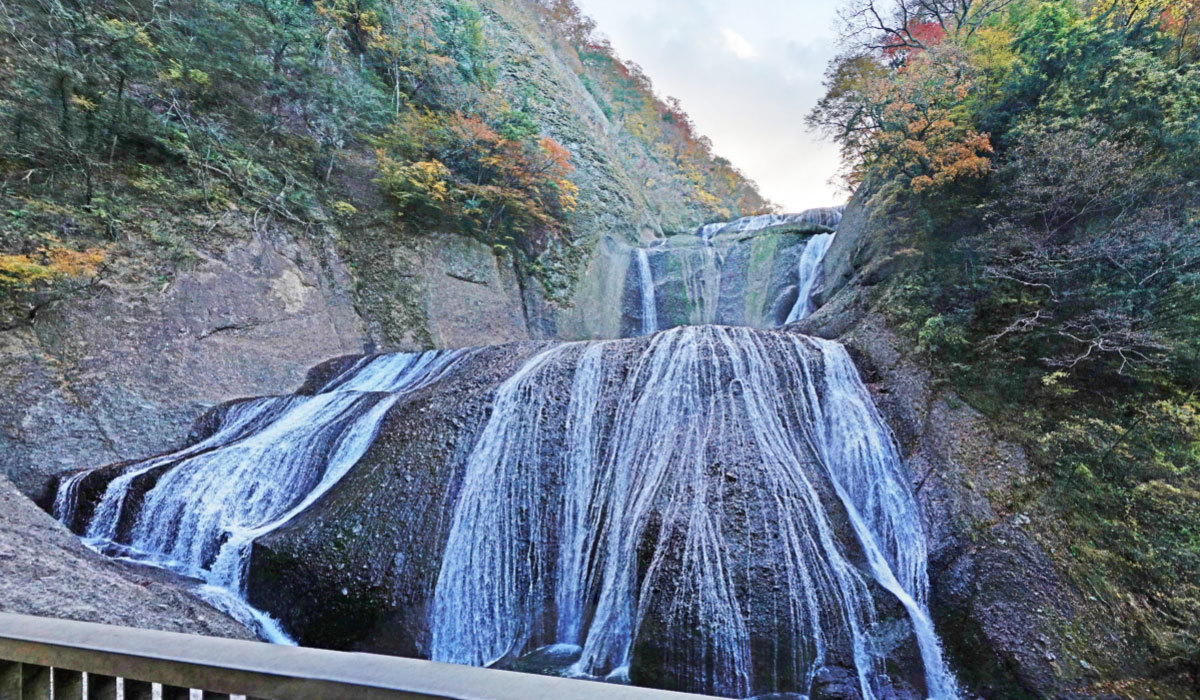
(647,296)
(757,271)
(715,508)
(266,462)
(807,275)
(828,217)
(642,452)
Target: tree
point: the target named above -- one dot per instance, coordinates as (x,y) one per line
(907,121)
(877,25)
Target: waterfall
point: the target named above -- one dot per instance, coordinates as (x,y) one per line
(868,474)
(66,500)
(561,534)
(649,303)
(809,271)
(720,509)
(743,279)
(267,461)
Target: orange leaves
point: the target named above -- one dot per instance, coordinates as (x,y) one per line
(910,121)
(955,159)
(927,143)
(476,131)
(458,169)
(558,167)
(558,157)
(50,263)
(66,262)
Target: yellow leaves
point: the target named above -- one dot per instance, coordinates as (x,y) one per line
(176,73)
(1118,13)
(343,209)
(121,30)
(84,103)
(991,51)
(50,263)
(568,195)
(422,187)
(1054,378)
(430,175)
(21,271)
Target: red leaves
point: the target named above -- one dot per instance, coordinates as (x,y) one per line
(916,36)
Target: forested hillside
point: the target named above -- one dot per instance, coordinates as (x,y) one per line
(134,133)
(1032,170)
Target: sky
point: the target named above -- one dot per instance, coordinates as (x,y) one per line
(747,71)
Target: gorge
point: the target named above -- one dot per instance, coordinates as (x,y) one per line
(432,328)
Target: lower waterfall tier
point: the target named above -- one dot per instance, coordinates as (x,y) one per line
(710,509)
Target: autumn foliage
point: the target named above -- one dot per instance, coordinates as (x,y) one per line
(50,263)
(505,183)
(1037,162)
(655,131)
(903,114)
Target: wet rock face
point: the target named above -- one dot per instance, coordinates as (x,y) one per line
(707,509)
(998,598)
(740,279)
(357,570)
(124,372)
(618,504)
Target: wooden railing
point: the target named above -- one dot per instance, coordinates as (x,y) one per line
(38,654)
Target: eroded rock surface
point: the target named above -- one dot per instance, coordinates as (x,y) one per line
(45,570)
(125,372)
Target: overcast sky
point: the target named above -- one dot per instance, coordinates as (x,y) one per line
(747,71)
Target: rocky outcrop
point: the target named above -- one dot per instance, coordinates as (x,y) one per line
(691,510)
(126,370)
(388,517)
(45,570)
(1007,617)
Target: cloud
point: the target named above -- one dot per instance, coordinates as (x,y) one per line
(737,45)
(747,72)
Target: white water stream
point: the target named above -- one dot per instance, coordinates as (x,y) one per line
(268,460)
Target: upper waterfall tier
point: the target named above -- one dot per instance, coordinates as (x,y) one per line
(707,508)
(760,280)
